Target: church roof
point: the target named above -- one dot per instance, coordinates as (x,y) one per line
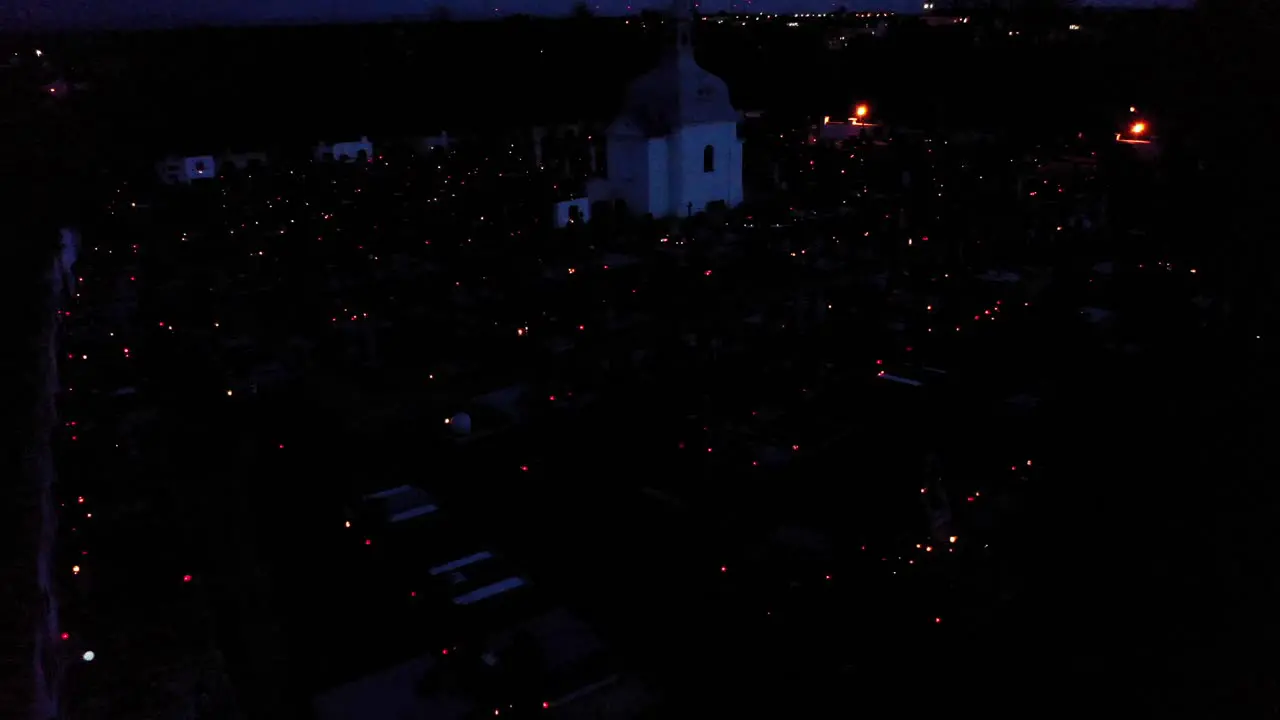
(676,93)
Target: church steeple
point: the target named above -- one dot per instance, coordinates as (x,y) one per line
(682,14)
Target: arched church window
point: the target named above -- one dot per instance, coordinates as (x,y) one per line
(709,159)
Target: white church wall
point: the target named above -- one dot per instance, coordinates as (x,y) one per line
(676,203)
(629,173)
(564,211)
(698,188)
(659,184)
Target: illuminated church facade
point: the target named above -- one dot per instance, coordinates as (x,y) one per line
(674,149)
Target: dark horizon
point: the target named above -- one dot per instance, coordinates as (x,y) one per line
(91,15)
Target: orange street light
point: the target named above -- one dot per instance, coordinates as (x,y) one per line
(1138,128)
(860,111)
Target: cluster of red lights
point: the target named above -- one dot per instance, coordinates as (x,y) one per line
(1137,129)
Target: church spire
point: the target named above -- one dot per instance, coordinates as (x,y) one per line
(682,13)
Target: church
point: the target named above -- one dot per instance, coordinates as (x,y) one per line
(674,148)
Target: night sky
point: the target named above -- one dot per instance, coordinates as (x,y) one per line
(56,14)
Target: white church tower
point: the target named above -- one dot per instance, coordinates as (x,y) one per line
(674,149)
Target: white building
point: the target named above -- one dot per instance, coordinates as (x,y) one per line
(345,151)
(174,170)
(674,149)
(177,169)
(572,212)
(859,124)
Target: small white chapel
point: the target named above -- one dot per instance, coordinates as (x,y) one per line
(674,148)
